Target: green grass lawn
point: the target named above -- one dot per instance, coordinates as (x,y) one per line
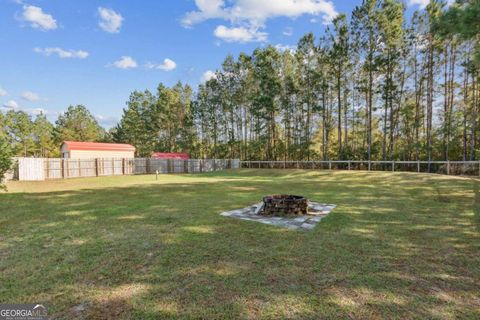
(398,245)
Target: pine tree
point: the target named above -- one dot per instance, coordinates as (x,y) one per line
(366,33)
(78,124)
(43,136)
(19,128)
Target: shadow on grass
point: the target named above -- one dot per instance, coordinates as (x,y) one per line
(388,250)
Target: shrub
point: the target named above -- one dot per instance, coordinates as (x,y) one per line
(5,161)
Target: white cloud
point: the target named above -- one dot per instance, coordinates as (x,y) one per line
(239,34)
(421,3)
(30,96)
(106,121)
(285,47)
(37,111)
(252,15)
(207,9)
(257,12)
(3,92)
(11,104)
(62,53)
(38,19)
(110,21)
(167,65)
(125,62)
(287,32)
(207,75)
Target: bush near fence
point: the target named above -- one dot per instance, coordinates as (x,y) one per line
(55,168)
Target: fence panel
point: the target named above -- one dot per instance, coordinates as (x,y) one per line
(53,168)
(140,166)
(160,165)
(31,169)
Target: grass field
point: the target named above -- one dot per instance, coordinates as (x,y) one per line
(398,245)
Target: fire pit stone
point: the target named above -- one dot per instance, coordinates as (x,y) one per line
(284,205)
(316,212)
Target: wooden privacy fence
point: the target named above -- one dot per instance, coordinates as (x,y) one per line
(471,168)
(55,168)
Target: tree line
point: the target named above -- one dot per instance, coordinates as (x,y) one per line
(375,85)
(24,136)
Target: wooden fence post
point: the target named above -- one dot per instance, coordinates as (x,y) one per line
(123,166)
(96,167)
(348,164)
(393,166)
(448,167)
(418,165)
(47,168)
(329,165)
(68,170)
(369,165)
(62,168)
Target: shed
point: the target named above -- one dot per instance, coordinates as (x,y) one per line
(90,150)
(170,155)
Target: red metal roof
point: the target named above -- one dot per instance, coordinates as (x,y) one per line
(172,155)
(75,145)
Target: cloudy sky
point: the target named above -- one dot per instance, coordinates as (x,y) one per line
(55,53)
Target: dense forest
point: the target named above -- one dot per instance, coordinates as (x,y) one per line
(375,85)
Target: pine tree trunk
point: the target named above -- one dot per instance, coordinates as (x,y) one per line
(339,106)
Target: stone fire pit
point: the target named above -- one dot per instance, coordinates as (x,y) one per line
(284,205)
(287,211)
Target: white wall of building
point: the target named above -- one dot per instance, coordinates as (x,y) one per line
(90,154)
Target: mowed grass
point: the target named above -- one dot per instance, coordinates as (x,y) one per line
(398,246)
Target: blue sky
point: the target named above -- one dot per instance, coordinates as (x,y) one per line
(56,53)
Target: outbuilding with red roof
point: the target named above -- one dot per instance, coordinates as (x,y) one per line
(90,150)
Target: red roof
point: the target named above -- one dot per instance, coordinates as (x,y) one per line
(172,155)
(75,145)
